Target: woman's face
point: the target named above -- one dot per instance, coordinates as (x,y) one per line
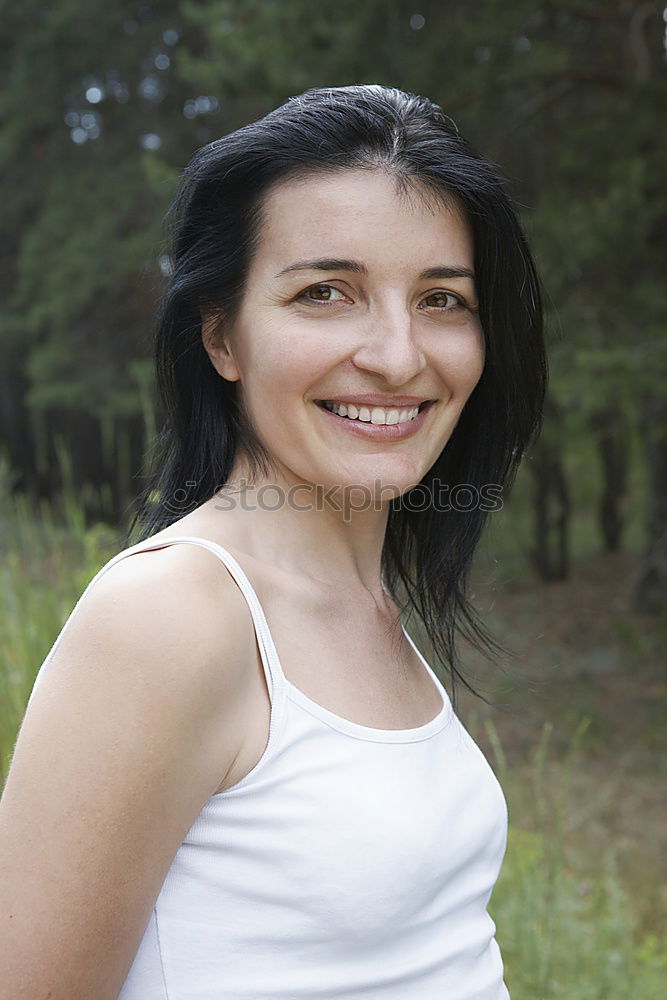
(339,304)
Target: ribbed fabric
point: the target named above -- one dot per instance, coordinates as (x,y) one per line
(351,862)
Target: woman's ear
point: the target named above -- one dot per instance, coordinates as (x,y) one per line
(218,348)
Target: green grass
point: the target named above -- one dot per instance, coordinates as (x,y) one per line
(48,558)
(573,922)
(568,926)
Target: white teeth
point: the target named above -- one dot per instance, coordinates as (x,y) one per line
(373,415)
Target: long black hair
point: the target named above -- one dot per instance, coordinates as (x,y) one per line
(215,223)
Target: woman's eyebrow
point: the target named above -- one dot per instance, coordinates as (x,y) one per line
(337,264)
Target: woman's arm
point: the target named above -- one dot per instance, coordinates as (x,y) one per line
(130,731)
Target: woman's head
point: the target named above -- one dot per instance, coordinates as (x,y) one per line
(357,294)
(219,219)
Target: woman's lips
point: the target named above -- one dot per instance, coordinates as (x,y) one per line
(378,432)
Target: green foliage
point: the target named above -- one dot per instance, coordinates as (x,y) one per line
(567,926)
(567,937)
(81,220)
(48,557)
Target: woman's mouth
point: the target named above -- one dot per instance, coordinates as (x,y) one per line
(376,422)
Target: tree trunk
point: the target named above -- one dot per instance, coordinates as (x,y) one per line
(650,591)
(610,431)
(15,425)
(551,498)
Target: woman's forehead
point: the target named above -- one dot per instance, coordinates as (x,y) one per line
(350,189)
(357,212)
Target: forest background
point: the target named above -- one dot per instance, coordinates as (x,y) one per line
(102,105)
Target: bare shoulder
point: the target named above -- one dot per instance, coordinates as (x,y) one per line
(175,620)
(136,721)
(183,588)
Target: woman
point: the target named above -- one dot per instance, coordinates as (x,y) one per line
(243,780)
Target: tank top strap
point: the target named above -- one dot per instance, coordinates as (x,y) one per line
(270,662)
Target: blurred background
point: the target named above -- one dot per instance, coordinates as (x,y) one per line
(102,106)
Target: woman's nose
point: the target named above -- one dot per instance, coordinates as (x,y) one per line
(389,348)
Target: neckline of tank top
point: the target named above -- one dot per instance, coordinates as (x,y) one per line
(295,694)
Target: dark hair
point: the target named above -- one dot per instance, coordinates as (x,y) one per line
(215,224)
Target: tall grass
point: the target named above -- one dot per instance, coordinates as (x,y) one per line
(49,555)
(567,925)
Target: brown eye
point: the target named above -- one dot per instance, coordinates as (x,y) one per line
(325,290)
(441,302)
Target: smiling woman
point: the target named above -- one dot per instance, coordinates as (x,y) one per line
(382,324)
(260,787)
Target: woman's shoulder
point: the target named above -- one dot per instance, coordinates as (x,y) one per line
(171,615)
(172,586)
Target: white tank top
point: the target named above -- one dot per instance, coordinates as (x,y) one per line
(350,862)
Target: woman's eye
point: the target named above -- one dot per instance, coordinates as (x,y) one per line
(324,290)
(441,303)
